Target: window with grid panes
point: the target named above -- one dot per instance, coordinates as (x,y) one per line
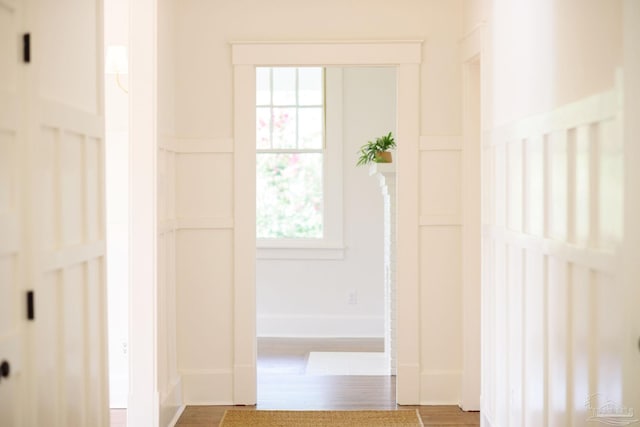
(290,151)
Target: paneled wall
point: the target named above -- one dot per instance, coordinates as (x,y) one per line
(66,217)
(12,184)
(440,269)
(551,288)
(205,181)
(553,323)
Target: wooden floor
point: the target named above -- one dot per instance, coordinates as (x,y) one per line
(282,384)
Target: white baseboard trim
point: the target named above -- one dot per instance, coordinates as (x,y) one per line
(440,387)
(171,404)
(485,420)
(207,386)
(176,417)
(312,326)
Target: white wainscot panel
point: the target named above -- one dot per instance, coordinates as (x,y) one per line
(441,303)
(557,342)
(514,185)
(515,325)
(534,345)
(610,184)
(582,335)
(582,184)
(557,184)
(204,185)
(204,299)
(440,183)
(534,186)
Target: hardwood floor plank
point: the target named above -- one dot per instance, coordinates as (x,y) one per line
(282,384)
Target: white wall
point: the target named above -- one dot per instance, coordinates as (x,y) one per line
(204,173)
(316,297)
(553,318)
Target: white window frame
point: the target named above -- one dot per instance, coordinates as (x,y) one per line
(331,245)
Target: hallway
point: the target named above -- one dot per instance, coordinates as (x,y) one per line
(283,385)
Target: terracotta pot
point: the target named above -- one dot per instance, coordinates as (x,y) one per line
(383,157)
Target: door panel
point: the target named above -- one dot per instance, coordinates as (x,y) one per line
(11,243)
(66,126)
(51,215)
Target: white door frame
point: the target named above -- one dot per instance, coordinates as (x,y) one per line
(472,70)
(406,56)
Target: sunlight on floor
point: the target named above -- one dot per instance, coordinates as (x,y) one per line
(347,363)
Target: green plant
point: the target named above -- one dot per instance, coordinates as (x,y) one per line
(369,152)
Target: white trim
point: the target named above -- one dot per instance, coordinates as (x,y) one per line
(471,42)
(320,326)
(177,416)
(203,145)
(57,115)
(244,305)
(327,53)
(408,245)
(471,212)
(595,108)
(8,112)
(407,56)
(143,405)
(72,255)
(594,259)
(10,232)
(171,404)
(204,223)
(440,219)
(300,252)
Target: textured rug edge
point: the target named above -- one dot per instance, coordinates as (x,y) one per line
(415,411)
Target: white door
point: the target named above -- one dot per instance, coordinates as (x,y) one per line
(12,302)
(65,378)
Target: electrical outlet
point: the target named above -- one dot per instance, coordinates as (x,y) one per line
(352,297)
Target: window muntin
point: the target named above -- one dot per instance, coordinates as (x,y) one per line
(290,148)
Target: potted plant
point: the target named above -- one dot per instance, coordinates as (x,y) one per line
(377,151)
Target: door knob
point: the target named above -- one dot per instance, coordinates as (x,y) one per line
(4,369)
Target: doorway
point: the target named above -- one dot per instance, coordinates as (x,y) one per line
(322,303)
(406,57)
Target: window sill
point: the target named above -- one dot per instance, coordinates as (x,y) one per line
(299,249)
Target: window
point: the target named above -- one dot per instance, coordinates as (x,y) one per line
(290,153)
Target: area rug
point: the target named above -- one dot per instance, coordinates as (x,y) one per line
(244,418)
(347,363)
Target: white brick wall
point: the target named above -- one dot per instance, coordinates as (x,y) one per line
(386,175)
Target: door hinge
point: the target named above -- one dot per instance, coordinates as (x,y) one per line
(26,48)
(31,306)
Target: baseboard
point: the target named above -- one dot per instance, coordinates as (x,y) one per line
(207,386)
(171,404)
(320,326)
(176,417)
(440,387)
(485,420)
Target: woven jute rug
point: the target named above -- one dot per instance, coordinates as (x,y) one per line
(400,418)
